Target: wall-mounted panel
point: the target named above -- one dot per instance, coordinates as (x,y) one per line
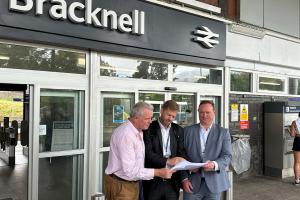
(252,12)
(282,16)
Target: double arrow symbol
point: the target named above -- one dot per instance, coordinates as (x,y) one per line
(207,37)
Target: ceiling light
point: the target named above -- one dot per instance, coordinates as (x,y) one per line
(4,58)
(269,83)
(81,61)
(200,77)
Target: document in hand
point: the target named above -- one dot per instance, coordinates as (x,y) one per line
(186,165)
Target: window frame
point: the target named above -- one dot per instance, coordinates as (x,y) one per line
(284,79)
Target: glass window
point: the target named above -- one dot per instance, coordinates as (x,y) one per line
(217,102)
(271,84)
(155,99)
(116,110)
(132,68)
(61,178)
(61,120)
(42,59)
(240,81)
(196,75)
(186,113)
(294,86)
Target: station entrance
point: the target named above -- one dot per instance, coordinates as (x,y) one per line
(14,141)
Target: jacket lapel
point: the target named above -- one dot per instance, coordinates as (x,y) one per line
(173,141)
(197,139)
(210,139)
(158,132)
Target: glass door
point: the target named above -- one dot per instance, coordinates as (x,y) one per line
(115,109)
(61,145)
(217,102)
(187,107)
(155,99)
(186,102)
(14,141)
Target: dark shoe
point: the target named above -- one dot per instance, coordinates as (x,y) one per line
(297,183)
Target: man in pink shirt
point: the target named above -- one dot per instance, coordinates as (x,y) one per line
(127,155)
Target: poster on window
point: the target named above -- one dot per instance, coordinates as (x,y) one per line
(244,116)
(234,112)
(118,114)
(62,136)
(243,112)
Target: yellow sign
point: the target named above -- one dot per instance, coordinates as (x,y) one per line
(234,106)
(243,112)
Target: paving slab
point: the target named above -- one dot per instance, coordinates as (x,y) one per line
(265,188)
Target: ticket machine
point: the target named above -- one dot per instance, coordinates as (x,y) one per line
(278,144)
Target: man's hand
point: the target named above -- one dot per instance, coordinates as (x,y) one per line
(164,173)
(187,186)
(174,161)
(209,166)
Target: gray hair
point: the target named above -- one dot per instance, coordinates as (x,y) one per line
(138,109)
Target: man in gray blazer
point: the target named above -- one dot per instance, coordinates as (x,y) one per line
(210,143)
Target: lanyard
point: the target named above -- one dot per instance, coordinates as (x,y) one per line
(166,145)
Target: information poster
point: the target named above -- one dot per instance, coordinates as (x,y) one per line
(244,117)
(62,136)
(118,114)
(234,112)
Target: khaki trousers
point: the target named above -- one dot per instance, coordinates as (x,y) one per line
(116,189)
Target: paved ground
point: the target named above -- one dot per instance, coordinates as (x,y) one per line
(265,188)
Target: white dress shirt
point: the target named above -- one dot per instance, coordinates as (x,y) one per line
(203,138)
(165,133)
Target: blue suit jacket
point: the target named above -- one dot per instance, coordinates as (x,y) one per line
(217,148)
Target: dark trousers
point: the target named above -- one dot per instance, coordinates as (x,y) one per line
(160,190)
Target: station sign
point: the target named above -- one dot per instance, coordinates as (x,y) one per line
(60,10)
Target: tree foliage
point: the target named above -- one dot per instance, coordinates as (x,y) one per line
(43,59)
(11,109)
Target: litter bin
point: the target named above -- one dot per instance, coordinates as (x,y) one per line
(241,156)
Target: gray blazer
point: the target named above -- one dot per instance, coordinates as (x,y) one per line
(218,148)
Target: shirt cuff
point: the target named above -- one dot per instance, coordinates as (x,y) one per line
(216,166)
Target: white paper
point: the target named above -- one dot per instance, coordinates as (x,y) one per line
(43,129)
(186,165)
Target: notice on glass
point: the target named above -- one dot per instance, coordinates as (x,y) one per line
(43,129)
(234,113)
(186,165)
(118,116)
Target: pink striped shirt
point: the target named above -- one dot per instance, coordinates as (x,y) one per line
(127,154)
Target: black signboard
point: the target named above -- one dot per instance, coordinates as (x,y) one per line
(167,33)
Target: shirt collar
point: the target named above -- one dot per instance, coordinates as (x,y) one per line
(162,126)
(204,128)
(136,132)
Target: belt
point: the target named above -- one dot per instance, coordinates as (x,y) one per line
(120,179)
(162,179)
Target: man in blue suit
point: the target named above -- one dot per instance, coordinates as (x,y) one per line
(210,143)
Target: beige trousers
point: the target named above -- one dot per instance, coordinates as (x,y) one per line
(116,189)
